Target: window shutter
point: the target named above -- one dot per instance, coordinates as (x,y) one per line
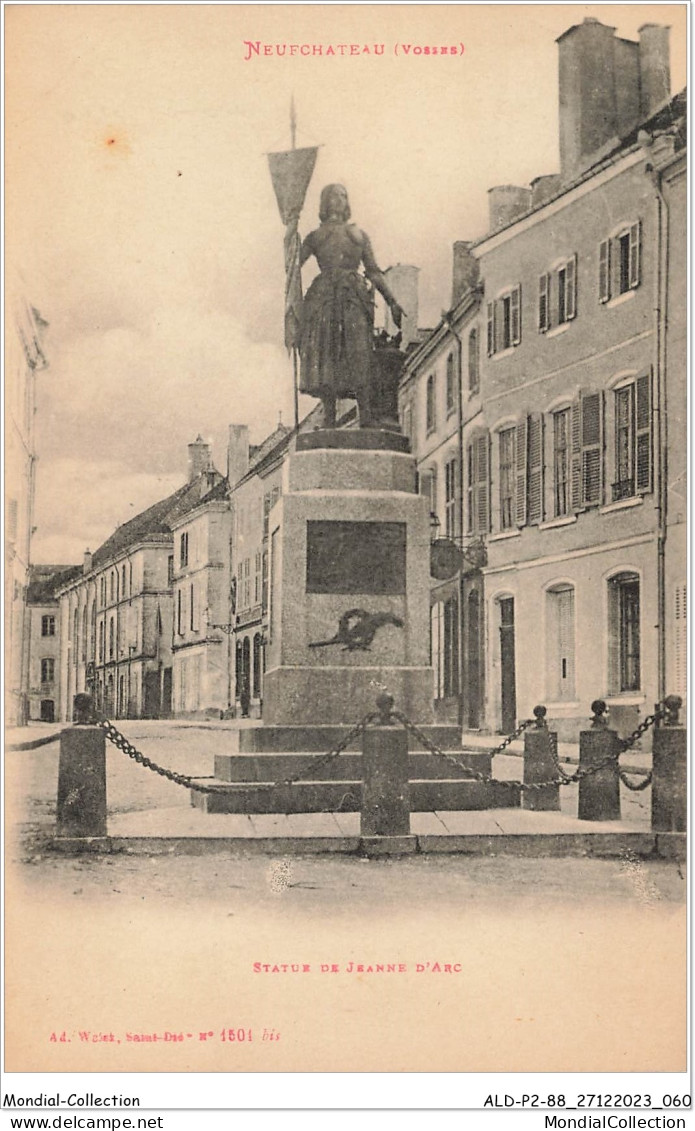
(490,329)
(643,433)
(516,315)
(543,303)
(635,265)
(576,464)
(471,487)
(534,507)
(604,270)
(521,471)
(571,288)
(482,460)
(592,445)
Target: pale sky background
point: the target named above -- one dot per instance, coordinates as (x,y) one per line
(140,213)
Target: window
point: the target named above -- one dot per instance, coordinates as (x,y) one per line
(179,612)
(431,407)
(101,642)
(123,581)
(269,500)
(112,637)
(93,629)
(561,462)
(451,397)
(560,643)
(633,439)
(48,670)
(428,489)
(444,647)
(507,451)
(473,361)
(624,632)
(257,665)
(557,295)
(130,578)
(170,569)
(620,264)
(48,626)
(245,584)
(84,635)
(504,321)
(183,550)
(75,636)
(191,610)
(257,579)
(407,422)
(478,491)
(451,498)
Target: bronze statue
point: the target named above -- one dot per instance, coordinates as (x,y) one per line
(336,340)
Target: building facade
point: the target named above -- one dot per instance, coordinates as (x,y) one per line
(24,359)
(252,498)
(43,625)
(439,404)
(579,370)
(116,619)
(572,434)
(201,591)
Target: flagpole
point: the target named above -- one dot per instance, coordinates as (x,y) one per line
(296,387)
(295,355)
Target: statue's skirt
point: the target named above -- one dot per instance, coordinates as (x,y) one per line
(335,345)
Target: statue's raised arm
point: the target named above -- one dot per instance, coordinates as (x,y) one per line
(336,343)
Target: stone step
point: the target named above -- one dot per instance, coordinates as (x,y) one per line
(319,739)
(277,767)
(346,796)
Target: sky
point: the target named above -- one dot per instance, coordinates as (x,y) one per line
(141,218)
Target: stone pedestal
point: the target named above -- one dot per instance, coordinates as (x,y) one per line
(81,810)
(348,583)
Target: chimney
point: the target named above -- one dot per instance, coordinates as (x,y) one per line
(466,270)
(507,203)
(544,188)
(588,105)
(199,458)
(237,453)
(627,84)
(655,70)
(402,281)
(87,562)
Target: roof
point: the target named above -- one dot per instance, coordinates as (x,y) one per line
(258,452)
(669,118)
(46,580)
(153,524)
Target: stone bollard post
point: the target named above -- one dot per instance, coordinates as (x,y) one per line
(385,787)
(539,765)
(82,775)
(670,772)
(599,793)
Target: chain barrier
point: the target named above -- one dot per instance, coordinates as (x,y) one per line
(316,764)
(476,774)
(660,713)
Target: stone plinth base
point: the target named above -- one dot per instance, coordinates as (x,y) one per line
(343,694)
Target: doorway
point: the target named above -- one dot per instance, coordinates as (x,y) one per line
(507,664)
(47,711)
(473,662)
